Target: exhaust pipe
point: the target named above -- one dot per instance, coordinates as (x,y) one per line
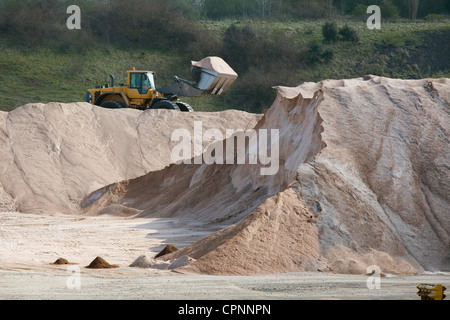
(112,81)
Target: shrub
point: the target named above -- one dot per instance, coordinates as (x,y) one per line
(327,55)
(359,11)
(315,54)
(306,10)
(243,48)
(330,32)
(188,8)
(239,43)
(434,16)
(254,91)
(347,33)
(33,23)
(262,59)
(392,40)
(151,24)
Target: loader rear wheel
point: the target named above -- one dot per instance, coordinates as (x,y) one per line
(184,106)
(166,104)
(111,105)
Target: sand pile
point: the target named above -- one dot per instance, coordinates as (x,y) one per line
(167,249)
(363,180)
(279,235)
(142,262)
(53,155)
(100,263)
(363,177)
(61,261)
(172,264)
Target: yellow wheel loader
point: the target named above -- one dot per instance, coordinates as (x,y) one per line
(212,76)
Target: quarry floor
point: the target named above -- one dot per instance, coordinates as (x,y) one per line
(30,243)
(151,285)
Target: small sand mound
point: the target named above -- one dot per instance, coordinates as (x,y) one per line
(142,262)
(61,261)
(100,263)
(168,249)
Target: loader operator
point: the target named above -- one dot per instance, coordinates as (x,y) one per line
(141,82)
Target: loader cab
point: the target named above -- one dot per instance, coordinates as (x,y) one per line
(142,81)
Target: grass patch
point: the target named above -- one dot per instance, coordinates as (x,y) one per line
(45,75)
(402,49)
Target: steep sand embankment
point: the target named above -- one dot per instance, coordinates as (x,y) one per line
(363,181)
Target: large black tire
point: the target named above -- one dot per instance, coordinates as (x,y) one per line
(111,105)
(166,104)
(184,106)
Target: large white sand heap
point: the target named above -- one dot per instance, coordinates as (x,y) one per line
(53,155)
(363,180)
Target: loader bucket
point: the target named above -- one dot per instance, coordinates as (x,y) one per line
(213,75)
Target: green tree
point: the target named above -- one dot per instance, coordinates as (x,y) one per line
(360,11)
(389,10)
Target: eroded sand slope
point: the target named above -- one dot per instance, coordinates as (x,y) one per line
(363,180)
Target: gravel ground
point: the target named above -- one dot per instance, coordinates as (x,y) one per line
(30,243)
(61,283)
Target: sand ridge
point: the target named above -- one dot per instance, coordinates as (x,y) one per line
(54,155)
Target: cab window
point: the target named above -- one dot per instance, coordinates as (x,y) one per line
(142,82)
(149,80)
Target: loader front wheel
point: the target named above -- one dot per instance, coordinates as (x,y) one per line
(111,105)
(166,104)
(184,107)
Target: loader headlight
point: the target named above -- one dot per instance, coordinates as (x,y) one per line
(88,97)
